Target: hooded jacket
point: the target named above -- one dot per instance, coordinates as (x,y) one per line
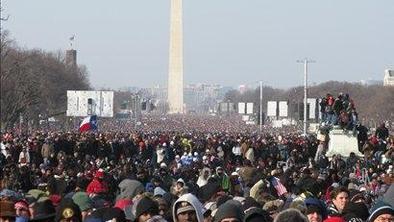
(197,205)
(129,189)
(201,180)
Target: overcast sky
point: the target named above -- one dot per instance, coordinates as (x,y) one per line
(230,42)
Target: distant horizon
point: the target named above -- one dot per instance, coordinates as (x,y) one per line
(374,82)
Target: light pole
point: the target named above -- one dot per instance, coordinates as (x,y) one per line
(305,62)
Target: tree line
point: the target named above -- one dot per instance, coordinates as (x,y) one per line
(34,83)
(373,102)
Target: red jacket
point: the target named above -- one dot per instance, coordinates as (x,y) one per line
(97,187)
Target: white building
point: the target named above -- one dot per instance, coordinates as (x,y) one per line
(388,77)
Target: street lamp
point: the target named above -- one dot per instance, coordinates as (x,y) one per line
(305,62)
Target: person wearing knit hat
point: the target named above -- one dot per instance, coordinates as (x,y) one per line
(292,215)
(256,214)
(314,213)
(355,211)
(43,211)
(68,211)
(315,209)
(229,211)
(146,209)
(84,203)
(381,211)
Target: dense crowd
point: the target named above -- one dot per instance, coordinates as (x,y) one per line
(192,169)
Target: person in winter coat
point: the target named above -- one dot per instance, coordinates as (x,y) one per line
(339,197)
(223,179)
(46,150)
(205,174)
(24,157)
(382,132)
(98,185)
(187,208)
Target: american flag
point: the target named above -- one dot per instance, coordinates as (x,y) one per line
(280,189)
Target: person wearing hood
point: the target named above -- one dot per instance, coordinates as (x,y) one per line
(98,185)
(179,188)
(187,208)
(129,189)
(205,174)
(160,153)
(223,179)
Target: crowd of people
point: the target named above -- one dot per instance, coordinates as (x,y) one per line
(339,111)
(191,169)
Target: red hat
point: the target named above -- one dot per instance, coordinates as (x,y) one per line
(99,173)
(334,219)
(55,199)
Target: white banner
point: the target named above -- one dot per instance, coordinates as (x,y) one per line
(312,107)
(283,109)
(271,108)
(84,103)
(249,108)
(241,108)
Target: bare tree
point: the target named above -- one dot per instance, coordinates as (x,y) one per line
(34,83)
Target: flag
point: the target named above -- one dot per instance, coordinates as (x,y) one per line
(280,189)
(88,123)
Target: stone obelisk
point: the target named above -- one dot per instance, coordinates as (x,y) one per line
(175,72)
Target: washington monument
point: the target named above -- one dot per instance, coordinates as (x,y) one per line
(175,72)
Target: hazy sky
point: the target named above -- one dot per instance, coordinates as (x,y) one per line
(230,42)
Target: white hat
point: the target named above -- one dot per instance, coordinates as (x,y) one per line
(335,185)
(163,165)
(180,180)
(239,199)
(204,158)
